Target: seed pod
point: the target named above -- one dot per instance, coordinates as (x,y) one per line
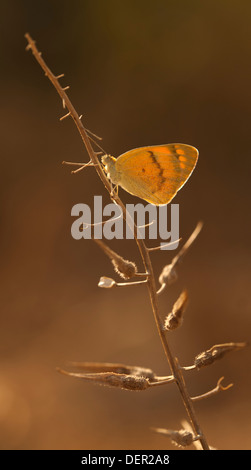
(215,352)
(181,438)
(126,269)
(175,318)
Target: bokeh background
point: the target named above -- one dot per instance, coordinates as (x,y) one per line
(142,73)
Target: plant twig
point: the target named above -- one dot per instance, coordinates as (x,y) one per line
(141,245)
(218,388)
(168,272)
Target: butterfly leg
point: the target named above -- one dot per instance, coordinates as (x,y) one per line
(114,191)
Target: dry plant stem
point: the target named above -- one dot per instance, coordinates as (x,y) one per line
(141,245)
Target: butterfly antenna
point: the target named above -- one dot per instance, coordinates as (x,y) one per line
(92,133)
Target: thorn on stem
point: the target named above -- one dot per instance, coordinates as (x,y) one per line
(65,116)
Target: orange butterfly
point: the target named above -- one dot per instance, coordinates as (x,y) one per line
(154,173)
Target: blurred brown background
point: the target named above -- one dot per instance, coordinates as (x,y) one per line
(142,73)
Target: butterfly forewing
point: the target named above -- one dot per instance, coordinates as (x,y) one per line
(156,173)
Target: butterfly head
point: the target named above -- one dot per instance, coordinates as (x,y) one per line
(109,163)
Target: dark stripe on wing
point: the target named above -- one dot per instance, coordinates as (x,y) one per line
(161,170)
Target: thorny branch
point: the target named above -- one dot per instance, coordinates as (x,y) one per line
(177,375)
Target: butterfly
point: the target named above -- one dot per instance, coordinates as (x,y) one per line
(153,173)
